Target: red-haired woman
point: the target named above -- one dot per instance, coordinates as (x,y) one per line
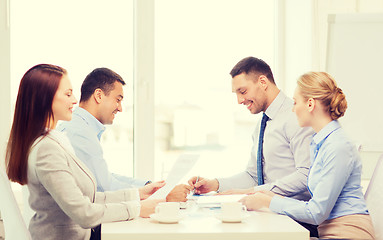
(62,189)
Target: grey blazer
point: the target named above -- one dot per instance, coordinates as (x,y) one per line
(63,193)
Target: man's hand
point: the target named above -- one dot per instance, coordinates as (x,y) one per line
(179,193)
(203,185)
(148,207)
(149,189)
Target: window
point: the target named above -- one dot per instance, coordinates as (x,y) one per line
(80,36)
(196,45)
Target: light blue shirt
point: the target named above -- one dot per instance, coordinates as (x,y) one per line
(333,181)
(286,154)
(84,132)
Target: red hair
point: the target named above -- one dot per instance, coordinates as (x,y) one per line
(33,112)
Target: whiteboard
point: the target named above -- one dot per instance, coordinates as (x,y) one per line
(355,59)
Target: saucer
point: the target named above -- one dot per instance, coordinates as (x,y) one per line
(230,219)
(165,219)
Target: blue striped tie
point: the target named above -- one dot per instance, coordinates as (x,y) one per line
(260,149)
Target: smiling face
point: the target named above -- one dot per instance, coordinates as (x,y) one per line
(250,91)
(302,109)
(110,104)
(63,101)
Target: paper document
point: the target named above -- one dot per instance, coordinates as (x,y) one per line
(216,200)
(181,167)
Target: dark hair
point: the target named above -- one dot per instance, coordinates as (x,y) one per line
(252,65)
(33,111)
(102,78)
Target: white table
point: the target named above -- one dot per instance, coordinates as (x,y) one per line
(201,224)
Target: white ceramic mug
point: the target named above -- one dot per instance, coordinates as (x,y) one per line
(233,210)
(168,209)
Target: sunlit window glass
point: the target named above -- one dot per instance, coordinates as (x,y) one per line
(80,36)
(196,45)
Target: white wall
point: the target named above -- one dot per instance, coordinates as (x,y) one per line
(293,42)
(5,85)
(321,8)
(298,41)
(5,77)
(144,89)
(302,34)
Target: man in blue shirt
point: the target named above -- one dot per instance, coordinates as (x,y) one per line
(101,96)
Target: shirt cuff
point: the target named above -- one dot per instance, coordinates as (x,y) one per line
(221,184)
(132,194)
(276,204)
(264,187)
(133,208)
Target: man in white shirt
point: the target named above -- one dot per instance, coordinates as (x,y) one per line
(285,158)
(284,161)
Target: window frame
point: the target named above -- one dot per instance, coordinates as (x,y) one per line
(5,74)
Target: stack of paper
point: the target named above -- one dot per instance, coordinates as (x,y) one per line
(216,200)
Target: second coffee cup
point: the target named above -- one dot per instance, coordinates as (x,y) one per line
(168,209)
(233,210)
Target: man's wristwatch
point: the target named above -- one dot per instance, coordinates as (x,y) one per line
(148,182)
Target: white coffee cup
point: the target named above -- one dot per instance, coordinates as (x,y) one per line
(233,210)
(168,209)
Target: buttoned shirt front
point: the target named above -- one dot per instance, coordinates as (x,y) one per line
(84,132)
(286,154)
(334,180)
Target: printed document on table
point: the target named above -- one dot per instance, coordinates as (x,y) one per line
(216,200)
(181,167)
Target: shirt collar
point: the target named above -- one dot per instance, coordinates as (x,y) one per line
(318,138)
(274,107)
(96,125)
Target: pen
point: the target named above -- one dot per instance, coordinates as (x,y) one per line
(197,179)
(195,183)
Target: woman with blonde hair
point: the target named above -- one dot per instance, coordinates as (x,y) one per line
(334,181)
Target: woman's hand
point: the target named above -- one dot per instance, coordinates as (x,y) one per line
(148,207)
(149,189)
(256,201)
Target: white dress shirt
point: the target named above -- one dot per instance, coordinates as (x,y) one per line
(286,154)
